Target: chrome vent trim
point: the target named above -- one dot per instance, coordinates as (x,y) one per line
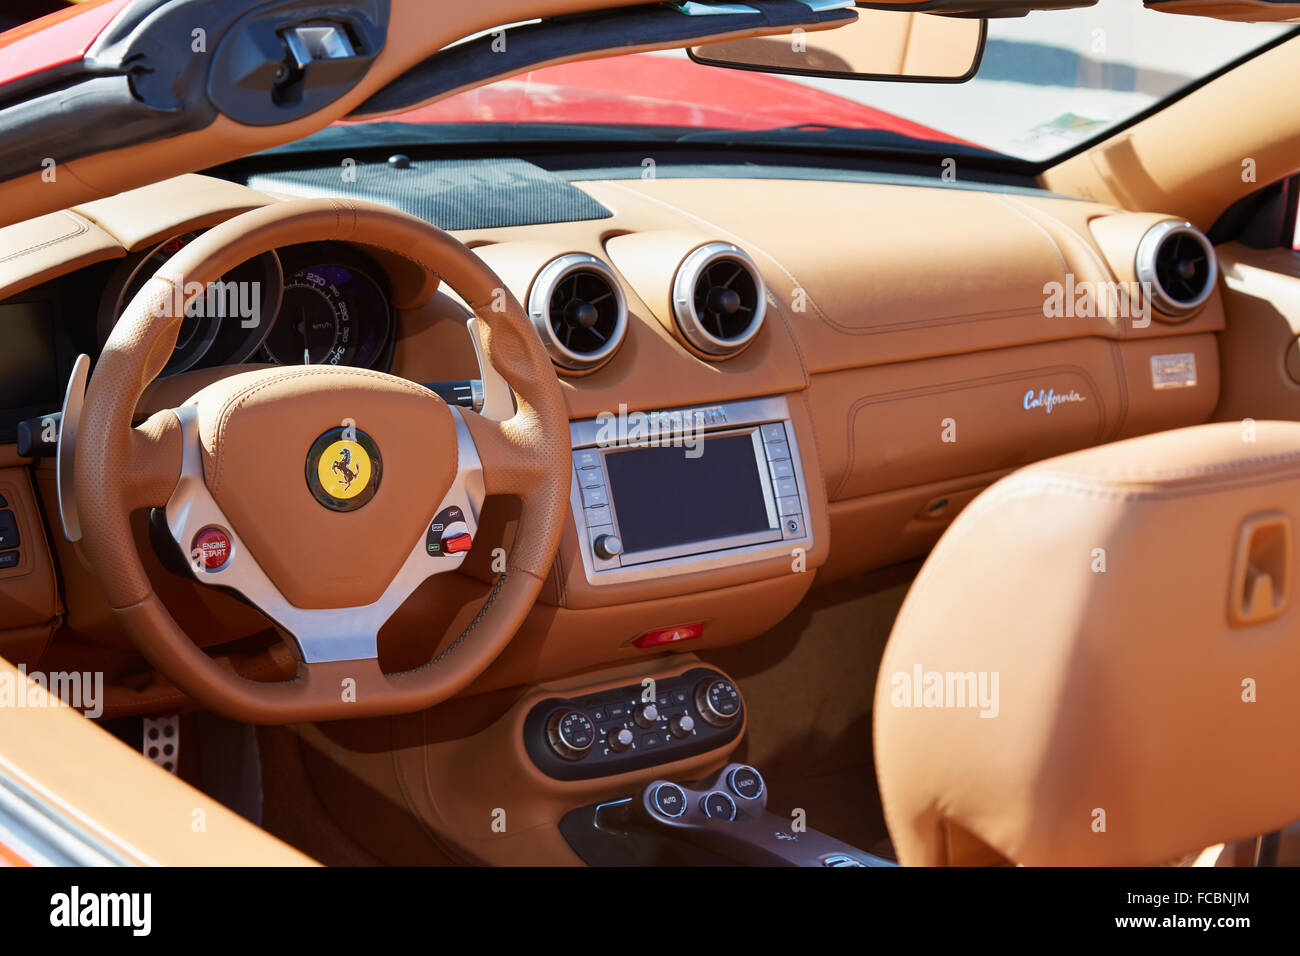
(552,329)
(1174,296)
(686,299)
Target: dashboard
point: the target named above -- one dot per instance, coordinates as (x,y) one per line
(853,396)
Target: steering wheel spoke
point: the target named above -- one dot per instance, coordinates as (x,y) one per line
(218,556)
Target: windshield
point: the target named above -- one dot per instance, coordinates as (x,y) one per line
(1048,82)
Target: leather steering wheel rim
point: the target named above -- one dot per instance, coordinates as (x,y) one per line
(120,468)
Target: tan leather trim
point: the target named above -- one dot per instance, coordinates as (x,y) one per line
(86,775)
(455,783)
(1249,11)
(32,252)
(1262,292)
(1188,159)
(1114,681)
(29,592)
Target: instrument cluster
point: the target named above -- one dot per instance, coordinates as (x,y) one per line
(321,303)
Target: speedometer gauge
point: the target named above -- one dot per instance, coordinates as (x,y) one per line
(331,313)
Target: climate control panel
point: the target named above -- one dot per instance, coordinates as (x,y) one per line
(632,727)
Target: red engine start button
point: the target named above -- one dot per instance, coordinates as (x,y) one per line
(212,547)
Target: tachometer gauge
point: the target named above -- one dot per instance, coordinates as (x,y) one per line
(227,325)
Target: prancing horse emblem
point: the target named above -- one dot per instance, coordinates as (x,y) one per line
(340,467)
(343,469)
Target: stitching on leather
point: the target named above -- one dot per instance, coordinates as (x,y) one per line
(478,619)
(81,226)
(856,408)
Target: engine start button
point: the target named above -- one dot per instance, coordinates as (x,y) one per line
(210,549)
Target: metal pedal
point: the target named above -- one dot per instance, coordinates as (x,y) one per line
(161,741)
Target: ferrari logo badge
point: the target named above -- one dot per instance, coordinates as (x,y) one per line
(343,469)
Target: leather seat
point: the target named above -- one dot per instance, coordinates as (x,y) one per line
(1129,614)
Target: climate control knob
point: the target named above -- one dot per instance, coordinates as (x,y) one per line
(619,739)
(718,701)
(570,734)
(682,726)
(646,716)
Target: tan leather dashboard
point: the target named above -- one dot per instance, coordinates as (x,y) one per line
(912,331)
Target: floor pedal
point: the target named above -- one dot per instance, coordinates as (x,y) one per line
(161,741)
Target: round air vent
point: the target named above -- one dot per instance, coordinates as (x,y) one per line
(1177,264)
(719,299)
(578,308)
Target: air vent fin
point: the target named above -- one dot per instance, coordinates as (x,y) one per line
(719,299)
(578,308)
(1176,262)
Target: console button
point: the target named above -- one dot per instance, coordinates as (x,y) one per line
(594,497)
(745,782)
(718,806)
(682,726)
(607,546)
(669,799)
(619,739)
(570,734)
(9,559)
(786,487)
(774,432)
(8,530)
(777,451)
(718,701)
(671,635)
(211,546)
(647,715)
(586,458)
(788,506)
(590,478)
(783,468)
(618,710)
(651,741)
(598,517)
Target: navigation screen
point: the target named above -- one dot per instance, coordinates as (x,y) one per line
(663,498)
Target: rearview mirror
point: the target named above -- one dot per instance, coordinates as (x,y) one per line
(880,45)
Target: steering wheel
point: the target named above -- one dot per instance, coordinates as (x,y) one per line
(324,495)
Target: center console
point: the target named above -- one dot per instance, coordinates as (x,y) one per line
(721,820)
(684,490)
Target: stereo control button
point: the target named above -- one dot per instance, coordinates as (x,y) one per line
(607,546)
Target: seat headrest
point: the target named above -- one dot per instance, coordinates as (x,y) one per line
(1099,663)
